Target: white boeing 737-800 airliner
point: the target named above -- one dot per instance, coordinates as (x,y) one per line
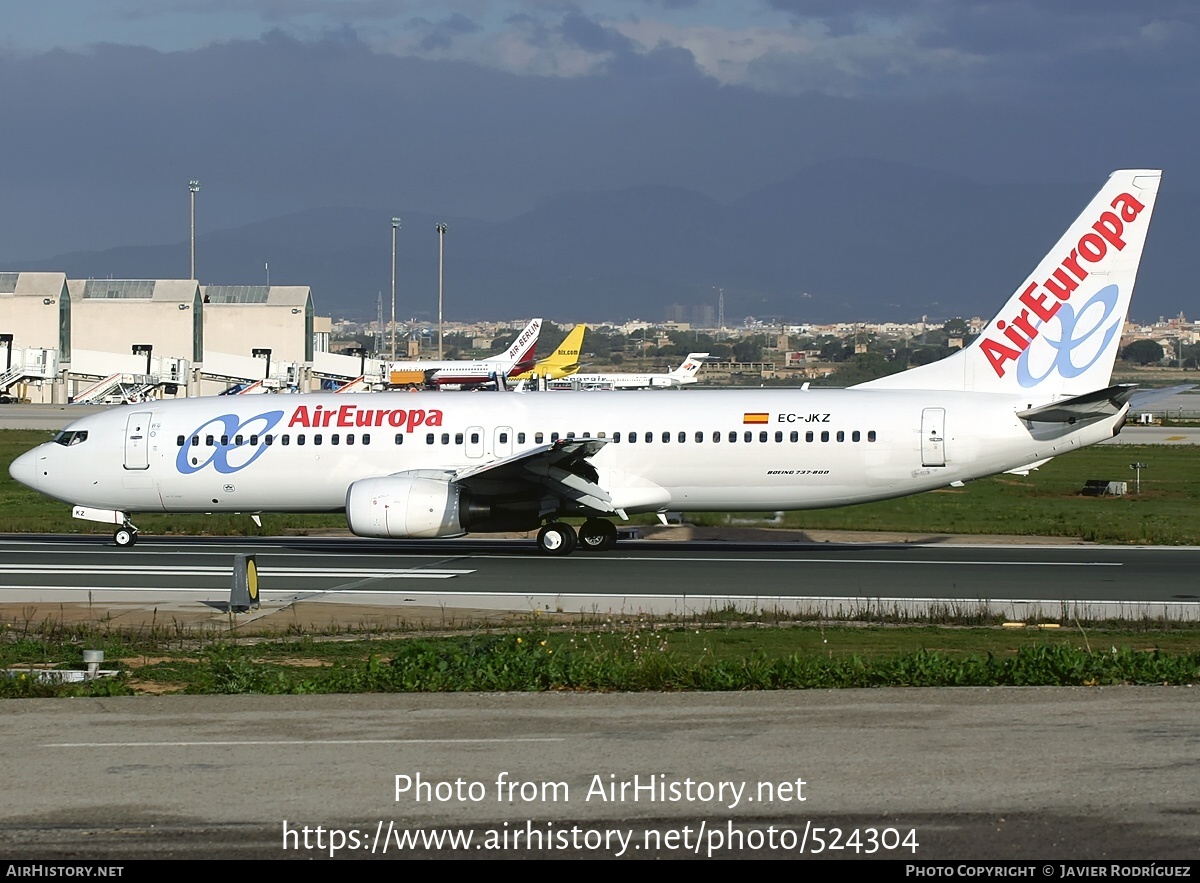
(681,376)
(1035,384)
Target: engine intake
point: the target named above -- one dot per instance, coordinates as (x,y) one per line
(421,504)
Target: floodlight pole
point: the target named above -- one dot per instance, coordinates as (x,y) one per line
(395,225)
(193,189)
(441,229)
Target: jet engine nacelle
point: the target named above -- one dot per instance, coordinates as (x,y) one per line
(421,504)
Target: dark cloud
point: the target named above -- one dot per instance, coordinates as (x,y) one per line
(581,31)
(672,4)
(440,35)
(98,146)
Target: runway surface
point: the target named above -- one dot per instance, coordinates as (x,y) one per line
(640,576)
(901,774)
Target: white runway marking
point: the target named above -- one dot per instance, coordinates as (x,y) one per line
(302,742)
(310,572)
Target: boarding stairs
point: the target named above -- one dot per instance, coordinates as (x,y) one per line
(128,388)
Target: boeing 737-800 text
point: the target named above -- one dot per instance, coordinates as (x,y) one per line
(1035,384)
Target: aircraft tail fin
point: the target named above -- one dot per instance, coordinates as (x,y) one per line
(519,356)
(565,359)
(686,373)
(1059,333)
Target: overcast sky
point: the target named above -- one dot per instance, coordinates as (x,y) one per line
(483,108)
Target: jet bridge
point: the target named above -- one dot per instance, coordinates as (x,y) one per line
(23,366)
(116,377)
(350,373)
(241,375)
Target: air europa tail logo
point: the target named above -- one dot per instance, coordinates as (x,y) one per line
(1042,301)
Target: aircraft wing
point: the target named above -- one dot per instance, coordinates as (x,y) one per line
(1089,406)
(561,467)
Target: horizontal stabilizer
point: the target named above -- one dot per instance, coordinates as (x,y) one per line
(1144,398)
(1089,406)
(1028,467)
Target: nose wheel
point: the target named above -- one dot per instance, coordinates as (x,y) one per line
(125,536)
(557,538)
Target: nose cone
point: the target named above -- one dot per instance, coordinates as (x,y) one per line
(25,469)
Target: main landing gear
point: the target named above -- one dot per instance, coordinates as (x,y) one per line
(559,538)
(598,534)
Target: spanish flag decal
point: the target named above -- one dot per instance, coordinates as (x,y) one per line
(756,418)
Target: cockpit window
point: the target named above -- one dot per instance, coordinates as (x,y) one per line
(69,437)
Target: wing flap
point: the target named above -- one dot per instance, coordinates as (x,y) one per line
(562,467)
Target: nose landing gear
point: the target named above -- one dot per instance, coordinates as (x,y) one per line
(125,536)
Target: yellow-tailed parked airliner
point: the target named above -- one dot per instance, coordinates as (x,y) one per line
(560,363)
(1035,384)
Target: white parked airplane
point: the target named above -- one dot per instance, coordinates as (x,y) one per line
(681,376)
(1035,384)
(516,359)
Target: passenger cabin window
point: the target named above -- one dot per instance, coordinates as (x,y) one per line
(429,438)
(871,435)
(458,438)
(399,438)
(537,438)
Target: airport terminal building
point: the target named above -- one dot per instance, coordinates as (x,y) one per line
(64,340)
